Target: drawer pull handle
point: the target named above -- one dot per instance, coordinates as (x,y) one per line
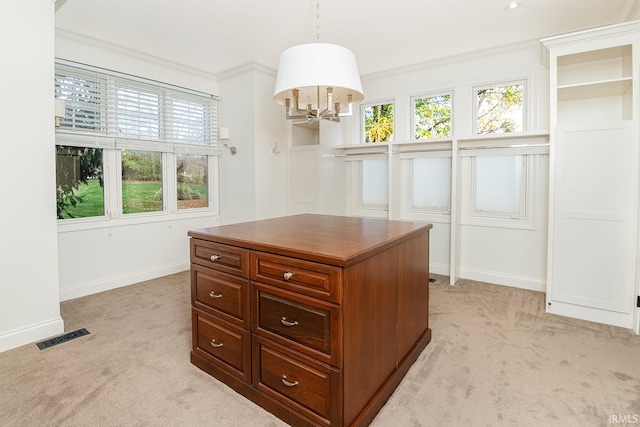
(285,322)
(215,344)
(213,294)
(215,257)
(288,383)
(287,275)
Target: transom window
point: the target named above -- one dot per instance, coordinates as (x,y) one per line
(378,122)
(500,108)
(431,116)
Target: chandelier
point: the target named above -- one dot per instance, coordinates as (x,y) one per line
(318,81)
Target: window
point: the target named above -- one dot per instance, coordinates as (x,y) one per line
(85,102)
(375,187)
(189,119)
(137,111)
(378,123)
(191,181)
(134,131)
(431,184)
(142,186)
(503,190)
(79,182)
(499,186)
(500,109)
(369,186)
(431,116)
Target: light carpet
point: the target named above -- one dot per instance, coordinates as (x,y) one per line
(496,358)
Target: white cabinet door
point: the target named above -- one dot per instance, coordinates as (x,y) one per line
(594,220)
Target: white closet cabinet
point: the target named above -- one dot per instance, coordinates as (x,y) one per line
(592,269)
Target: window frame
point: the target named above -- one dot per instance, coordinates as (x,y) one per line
(107,138)
(355,188)
(363,131)
(409,210)
(525,81)
(412,113)
(527,219)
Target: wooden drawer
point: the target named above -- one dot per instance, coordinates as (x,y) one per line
(310,387)
(228,259)
(308,278)
(222,342)
(310,326)
(221,294)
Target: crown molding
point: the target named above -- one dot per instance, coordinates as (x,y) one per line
(532,44)
(248,67)
(69,35)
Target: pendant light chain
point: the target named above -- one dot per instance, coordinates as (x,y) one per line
(317,20)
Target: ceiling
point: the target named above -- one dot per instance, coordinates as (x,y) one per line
(218,35)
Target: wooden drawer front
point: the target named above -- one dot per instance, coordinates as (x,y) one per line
(229,259)
(304,277)
(310,326)
(221,292)
(306,385)
(223,341)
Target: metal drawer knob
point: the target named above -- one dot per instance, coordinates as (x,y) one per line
(285,322)
(215,257)
(215,344)
(287,275)
(288,383)
(213,294)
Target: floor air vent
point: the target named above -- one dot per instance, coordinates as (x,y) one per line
(62,338)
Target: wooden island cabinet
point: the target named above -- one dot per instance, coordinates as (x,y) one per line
(315,318)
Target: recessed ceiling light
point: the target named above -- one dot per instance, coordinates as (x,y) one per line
(513,5)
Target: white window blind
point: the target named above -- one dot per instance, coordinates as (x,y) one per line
(132,112)
(189,117)
(85,98)
(137,110)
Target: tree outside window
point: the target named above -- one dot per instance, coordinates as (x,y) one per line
(191,176)
(500,109)
(142,189)
(432,117)
(79,182)
(378,123)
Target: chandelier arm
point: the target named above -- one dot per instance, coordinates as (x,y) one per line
(349,112)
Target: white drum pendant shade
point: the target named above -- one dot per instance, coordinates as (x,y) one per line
(314,67)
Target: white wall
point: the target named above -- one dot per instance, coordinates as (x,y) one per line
(237,172)
(271,170)
(29,303)
(254,182)
(124,251)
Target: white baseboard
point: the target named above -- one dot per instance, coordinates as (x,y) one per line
(31,334)
(514,281)
(84,289)
(437,268)
(492,277)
